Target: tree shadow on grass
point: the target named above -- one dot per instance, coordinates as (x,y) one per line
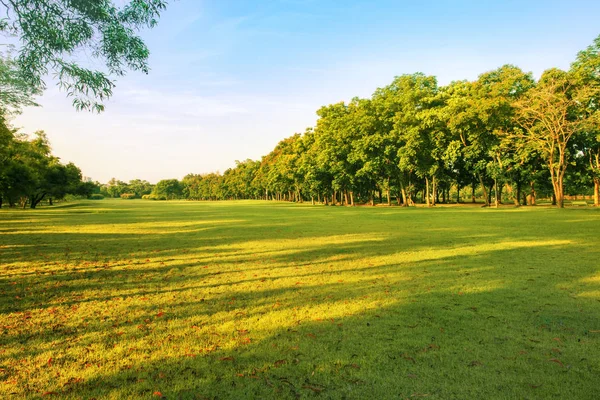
(418,308)
(326,340)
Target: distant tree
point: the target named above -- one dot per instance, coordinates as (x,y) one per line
(139,187)
(115,188)
(169,188)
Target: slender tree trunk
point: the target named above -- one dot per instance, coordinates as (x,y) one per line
(352,198)
(435,193)
(560,195)
(427,192)
(473,192)
(372,197)
(485,192)
(500,189)
(50,203)
(389,197)
(518,195)
(312,200)
(457,193)
(404,196)
(596,193)
(496,202)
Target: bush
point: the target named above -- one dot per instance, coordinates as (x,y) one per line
(96,196)
(153,197)
(128,196)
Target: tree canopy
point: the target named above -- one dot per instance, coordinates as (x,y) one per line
(53,33)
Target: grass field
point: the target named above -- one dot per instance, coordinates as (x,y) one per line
(139,299)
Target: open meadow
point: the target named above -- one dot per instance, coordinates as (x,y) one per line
(140,299)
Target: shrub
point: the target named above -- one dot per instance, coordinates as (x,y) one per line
(128,196)
(96,196)
(154,197)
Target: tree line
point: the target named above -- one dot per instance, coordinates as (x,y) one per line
(504,135)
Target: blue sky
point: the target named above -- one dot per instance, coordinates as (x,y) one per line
(230,79)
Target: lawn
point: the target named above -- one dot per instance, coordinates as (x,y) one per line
(139,299)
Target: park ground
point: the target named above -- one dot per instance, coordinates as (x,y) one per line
(140,299)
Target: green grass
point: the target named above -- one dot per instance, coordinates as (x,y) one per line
(135,299)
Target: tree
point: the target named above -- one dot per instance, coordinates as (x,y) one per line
(551,114)
(51,32)
(139,187)
(586,70)
(169,189)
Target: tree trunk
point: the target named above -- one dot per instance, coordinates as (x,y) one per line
(352,198)
(435,193)
(346,197)
(50,203)
(404,197)
(36,200)
(387,192)
(496,202)
(500,188)
(372,197)
(554,197)
(560,193)
(596,192)
(312,200)
(427,192)
(485,193)
(518,195)
(473,192)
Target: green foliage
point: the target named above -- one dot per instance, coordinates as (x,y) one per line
(15,92)
(128,196)
(52,31)
(29,173)
(96,196)
(168,189)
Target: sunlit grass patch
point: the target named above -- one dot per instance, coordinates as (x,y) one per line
(275,300)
